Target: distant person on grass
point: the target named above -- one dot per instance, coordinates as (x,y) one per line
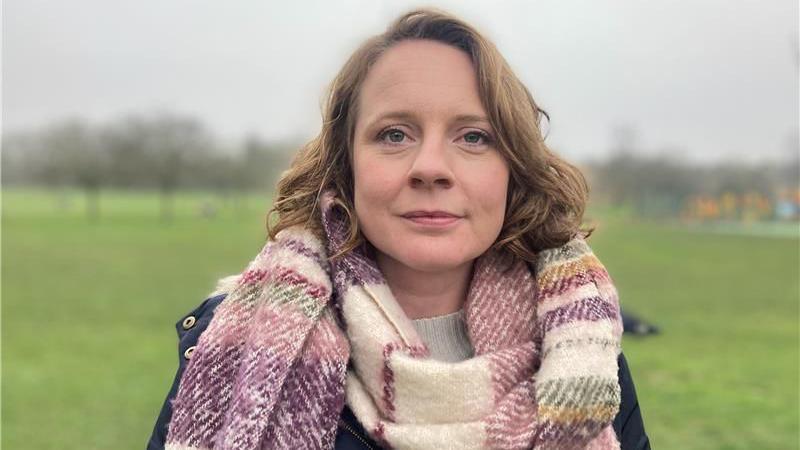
(427,284)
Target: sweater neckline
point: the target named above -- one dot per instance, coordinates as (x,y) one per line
(445,336)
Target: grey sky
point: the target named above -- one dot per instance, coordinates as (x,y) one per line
(710,79)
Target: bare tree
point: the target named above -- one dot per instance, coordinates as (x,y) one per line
(157,151)
(72,153)
(18,168)
(173,142)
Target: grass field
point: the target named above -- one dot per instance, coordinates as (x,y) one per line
(88,313)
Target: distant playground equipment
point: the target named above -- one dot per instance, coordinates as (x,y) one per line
(784,205)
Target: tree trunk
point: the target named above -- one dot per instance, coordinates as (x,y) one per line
(167,205)
(92,203)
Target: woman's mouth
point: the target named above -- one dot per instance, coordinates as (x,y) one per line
(432,219)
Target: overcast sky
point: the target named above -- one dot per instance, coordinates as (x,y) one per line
(708,79)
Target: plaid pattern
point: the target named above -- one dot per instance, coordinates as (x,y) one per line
(271,369)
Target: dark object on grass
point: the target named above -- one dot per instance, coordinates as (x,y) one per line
(636,326)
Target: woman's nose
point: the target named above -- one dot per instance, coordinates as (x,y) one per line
(431,167)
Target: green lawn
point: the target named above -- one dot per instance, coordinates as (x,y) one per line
(89,346)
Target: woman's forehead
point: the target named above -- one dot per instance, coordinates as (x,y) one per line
(420,76)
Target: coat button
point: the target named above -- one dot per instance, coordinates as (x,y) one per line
(189,322)
(188,353)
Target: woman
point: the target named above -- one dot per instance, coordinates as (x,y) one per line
(426,284)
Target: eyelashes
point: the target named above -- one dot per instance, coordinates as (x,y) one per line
(487,138)
(396,132)
(396,136)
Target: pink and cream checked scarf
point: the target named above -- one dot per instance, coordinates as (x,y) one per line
(271,370)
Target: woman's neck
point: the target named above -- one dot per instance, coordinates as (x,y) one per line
(426,294)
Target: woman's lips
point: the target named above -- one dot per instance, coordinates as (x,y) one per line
(435,219)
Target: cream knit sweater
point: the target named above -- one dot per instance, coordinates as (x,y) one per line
(446,336)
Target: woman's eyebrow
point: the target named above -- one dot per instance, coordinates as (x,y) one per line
(396,115)
(470,118)
(410,115)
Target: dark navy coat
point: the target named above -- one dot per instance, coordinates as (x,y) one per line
(351,435)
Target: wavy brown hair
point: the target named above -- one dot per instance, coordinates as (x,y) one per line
(546,195)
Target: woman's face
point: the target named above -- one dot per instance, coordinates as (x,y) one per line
(430,185)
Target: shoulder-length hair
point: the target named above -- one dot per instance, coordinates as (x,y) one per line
(546,195)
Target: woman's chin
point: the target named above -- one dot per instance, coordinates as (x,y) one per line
(432,261)
(429,253)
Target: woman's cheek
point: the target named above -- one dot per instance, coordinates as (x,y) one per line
(373,188)
(378,178)
(492,189)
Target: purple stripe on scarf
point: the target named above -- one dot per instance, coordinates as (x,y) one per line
(313,397)
(271,350)
(301,248)
(590,309)
(356,267)
(577,434)
(208,388)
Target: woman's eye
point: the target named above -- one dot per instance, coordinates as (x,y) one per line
(476,137)
(393,135)
(472,137)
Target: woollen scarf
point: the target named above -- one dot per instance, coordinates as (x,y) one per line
(271,370)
